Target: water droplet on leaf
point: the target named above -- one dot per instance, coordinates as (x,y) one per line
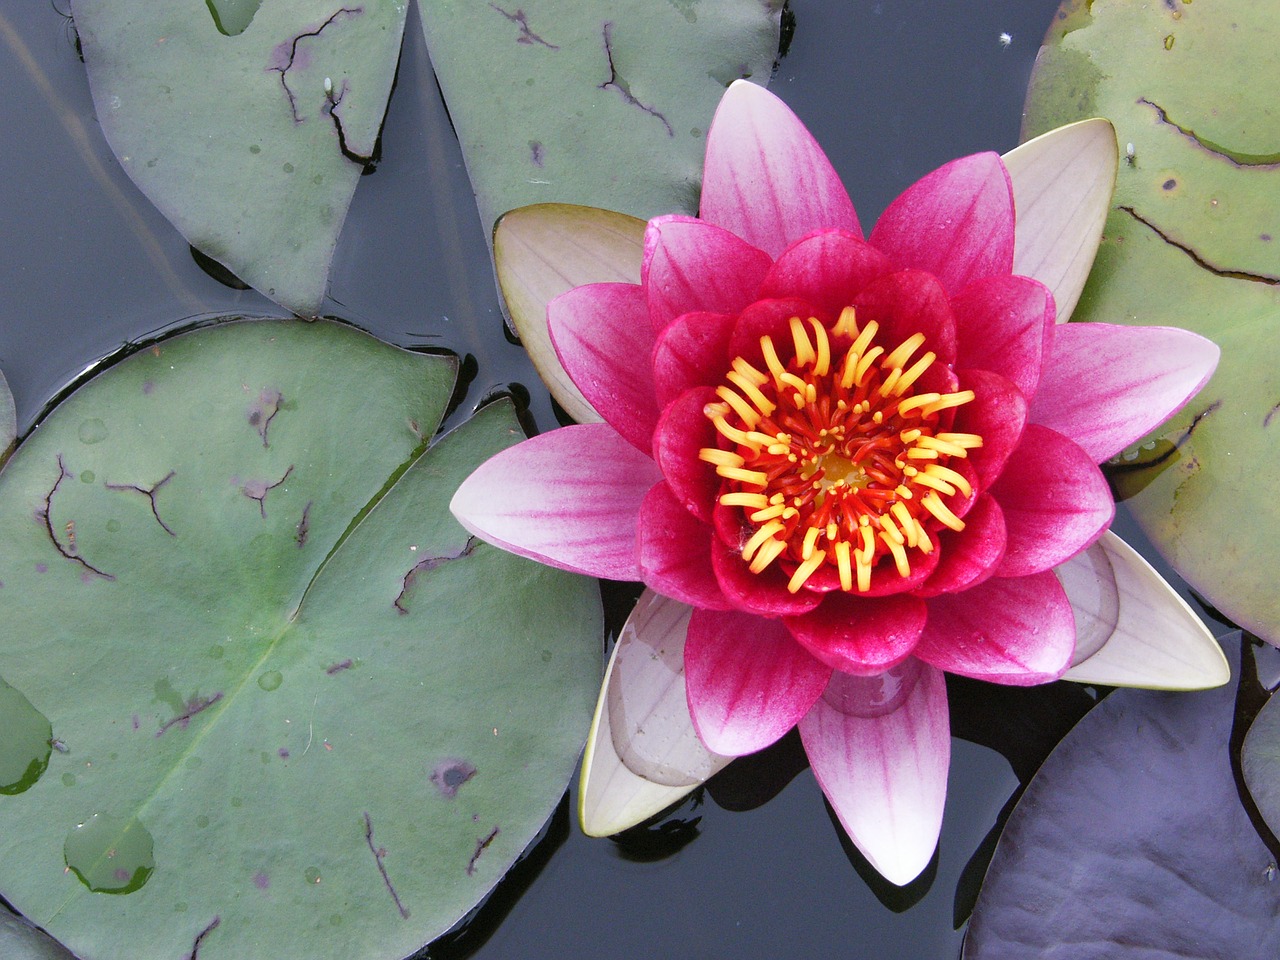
(109,854)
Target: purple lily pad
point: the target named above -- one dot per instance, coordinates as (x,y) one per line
(1131,842)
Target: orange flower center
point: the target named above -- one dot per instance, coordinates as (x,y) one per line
(837,462)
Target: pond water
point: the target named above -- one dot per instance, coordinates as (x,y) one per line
(755,866)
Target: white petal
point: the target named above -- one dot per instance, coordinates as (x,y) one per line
(542,251)
(1133,630)
(642,715)
(881,755)
(1062,186)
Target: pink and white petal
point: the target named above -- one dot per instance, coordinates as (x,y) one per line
(906,303)
(1133,629)
(598,331)
(826,269)
(1005,325)
(748,681)
(642,752)
(1106,386)
(764,594)
(681,433)
(956,223)
(542,251)
(1018,631)
(1062,186)
(863,636)
(880,748)
(675,551)
(569,498)
(1055,501)
(971,555)
(998,414)
(690,265)
(765,178)
(692,351)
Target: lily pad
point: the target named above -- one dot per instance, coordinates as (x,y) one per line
(21,941)
(248,128)
(291,700)
(1131,841)
(599,103)
(1260,762)
(1191,241)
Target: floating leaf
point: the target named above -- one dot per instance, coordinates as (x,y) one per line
(251,144)
(603,104)
(1260,762)
(19,940)
(1131,841)
(1191,241)
(293,700)
(26,744)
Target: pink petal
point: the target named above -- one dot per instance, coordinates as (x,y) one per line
(998,414)
(569,498)
(971,555)
(863,636)
(764,593)
(598,330)
(692,351)
(675,552)
(880,748)
(956,223)
(1106,386)
(1017,631)
(690,264)
(748,681)
(906,303)
(765,178)
(1005,325)
(1055,501)
(681,433)
(826,269)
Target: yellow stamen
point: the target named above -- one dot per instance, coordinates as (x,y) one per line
(822,362)
(933,503)
(750,416)
(768,553)
(805,571)
(890,529)
(886,388)
(914,374)
(846,323)
(942,446)
(844,565)
(906,523)
(730,432)
(948,400)
(864,364)
(864,573)
(970,441)
(748,501)
(949,476)
(927,480)
(752,392)
(810,542)
(747,371)
(768,513)
(804,348)
(721,458)
(899,555)
(919,400)
(922,453)
(868,547)
(757,477)
(903,352)
(868,334)
(771,360)
(762,535)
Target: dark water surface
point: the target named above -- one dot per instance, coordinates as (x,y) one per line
(892,89)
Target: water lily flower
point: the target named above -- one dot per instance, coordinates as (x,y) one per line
(843,465)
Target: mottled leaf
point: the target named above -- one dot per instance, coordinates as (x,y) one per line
(1191,241)
(279,715)
(599,103)
(1131,841)
(248,128)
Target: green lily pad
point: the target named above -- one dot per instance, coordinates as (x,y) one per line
(21,941)
(604,104)
(248,128)
(1260,762)
(1192,240)
(291,700)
